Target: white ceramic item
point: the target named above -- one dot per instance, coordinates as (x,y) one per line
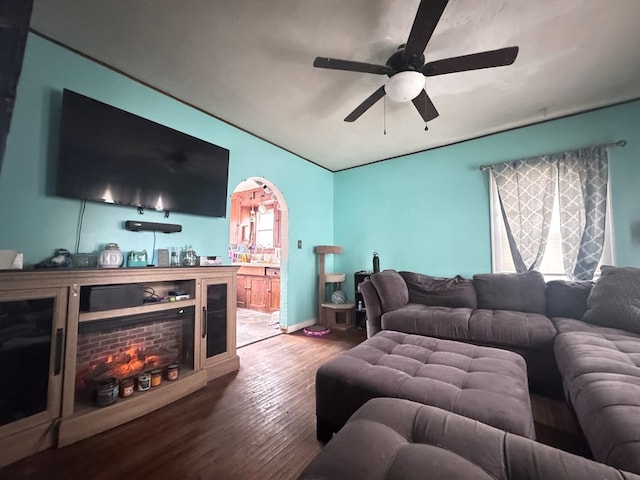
(7,257)
(111,256)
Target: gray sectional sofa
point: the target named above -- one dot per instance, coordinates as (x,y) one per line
(582,337)
(503,310)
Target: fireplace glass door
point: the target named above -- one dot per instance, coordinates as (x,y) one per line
(31,341)
(215,318)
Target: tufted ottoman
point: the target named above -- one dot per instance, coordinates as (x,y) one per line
(390,439)
(483,383)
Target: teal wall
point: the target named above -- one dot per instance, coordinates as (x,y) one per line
(37,224)
(429,212)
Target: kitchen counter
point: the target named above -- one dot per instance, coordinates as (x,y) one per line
(248,264)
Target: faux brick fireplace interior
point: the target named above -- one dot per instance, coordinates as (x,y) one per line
(124,347)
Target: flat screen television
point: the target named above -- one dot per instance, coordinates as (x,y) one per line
(109,155)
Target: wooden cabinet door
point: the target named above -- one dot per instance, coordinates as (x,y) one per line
(274,294)
(234,221)
(276,226)
(241,288)
(257,293)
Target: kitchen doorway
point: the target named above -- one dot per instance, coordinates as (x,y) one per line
(258,240)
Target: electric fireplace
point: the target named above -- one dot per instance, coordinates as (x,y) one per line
(122,348)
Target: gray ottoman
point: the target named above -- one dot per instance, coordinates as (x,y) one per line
(482,383)
(390,439)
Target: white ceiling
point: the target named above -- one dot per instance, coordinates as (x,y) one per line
(249,63)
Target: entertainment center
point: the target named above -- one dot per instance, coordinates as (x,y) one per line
(57,351)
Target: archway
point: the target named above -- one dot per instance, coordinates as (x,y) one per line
(259,243)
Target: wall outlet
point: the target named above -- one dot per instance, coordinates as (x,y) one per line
(299,243)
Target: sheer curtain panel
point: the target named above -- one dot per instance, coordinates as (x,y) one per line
(526,189)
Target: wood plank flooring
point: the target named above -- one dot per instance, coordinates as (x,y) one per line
(258,423)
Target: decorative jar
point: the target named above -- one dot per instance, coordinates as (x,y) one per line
(144,382)
(126,387)
(156,377)
(111,256)
(107,392)
(172,372)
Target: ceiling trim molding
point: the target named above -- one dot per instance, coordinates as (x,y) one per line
(209,114)
(173,97)
(568,115)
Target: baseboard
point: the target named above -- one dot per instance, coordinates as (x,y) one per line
(299,326)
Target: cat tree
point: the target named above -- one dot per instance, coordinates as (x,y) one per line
(331,315)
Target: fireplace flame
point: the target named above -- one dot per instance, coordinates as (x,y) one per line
(133,361)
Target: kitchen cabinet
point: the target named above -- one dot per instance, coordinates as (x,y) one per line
(257,293)
(258,288)
(235,226)
(273,292)
(243,223)
(241,286)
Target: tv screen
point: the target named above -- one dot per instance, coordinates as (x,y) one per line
(109,155)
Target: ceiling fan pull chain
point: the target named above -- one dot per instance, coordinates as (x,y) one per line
(384,115)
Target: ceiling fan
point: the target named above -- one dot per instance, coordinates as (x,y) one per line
(406,68)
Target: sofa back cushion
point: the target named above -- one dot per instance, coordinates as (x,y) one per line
(391,288)
(567,298)
(614,300)
(523,292)
(439,291)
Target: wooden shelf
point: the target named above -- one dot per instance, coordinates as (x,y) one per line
(91,420)
(147,308)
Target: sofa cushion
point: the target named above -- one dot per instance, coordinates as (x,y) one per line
(614,300)
(432,321)
(391,288)
(582,353)
(564,325)
(522,292)
(446,292)
(566,298)
(608,409)
(514,329)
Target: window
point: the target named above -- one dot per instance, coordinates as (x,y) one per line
(264,228)
(552,266)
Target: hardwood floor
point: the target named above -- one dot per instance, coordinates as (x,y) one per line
(258,423)
(253,326)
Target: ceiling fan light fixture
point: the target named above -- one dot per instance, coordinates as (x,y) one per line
(404,86)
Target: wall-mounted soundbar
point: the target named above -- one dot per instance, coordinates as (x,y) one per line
(135,226)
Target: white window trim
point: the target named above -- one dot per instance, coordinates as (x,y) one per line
(499,240)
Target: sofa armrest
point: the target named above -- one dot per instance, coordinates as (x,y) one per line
(374,309)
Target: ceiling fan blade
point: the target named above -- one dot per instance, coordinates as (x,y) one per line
(366,105)
(474,61)
(348,65)
(425,107)
(427,17)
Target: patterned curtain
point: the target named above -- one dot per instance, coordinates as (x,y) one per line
(526,189)
(582,193)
